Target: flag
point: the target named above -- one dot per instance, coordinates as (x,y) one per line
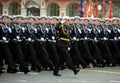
(96,16)
(111,10)
(81,9)
(85,9)
(91,8)
(104,11)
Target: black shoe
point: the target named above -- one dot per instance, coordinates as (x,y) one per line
(57,74)
(36,69)
(95,64)
(62,67)
(103,64)
(39,69)
(24,69)
(76,71)
(1,72)
(11,70)
(113,65)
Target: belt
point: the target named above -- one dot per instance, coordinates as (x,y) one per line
(64,39)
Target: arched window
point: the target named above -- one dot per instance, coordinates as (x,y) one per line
(72,10)
(14,9)
(1,9)
(116,11)
(53,10)
(33,8)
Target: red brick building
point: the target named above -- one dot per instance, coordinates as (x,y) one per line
(50,7)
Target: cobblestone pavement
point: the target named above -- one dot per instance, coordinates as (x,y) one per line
(91,75)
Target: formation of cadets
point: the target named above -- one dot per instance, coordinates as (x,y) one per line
(52,43)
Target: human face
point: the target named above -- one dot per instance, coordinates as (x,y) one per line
(115,22)
(31,20)
(5,19)
(43,20)
(19,20)
(66,22)
(77,21)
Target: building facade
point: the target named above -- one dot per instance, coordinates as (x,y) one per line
(49,7)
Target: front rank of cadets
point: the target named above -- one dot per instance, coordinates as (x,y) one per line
(57,43)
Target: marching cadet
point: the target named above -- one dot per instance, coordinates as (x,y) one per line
(51,45)
(40,48)
(1,59)
(74,51)
(104,45)
(93,45)
(84,41)
(63,43)
(4,38)
(30,38)
(17,37)
(114,40)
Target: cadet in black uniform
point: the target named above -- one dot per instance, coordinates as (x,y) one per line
(17,37)
(84,43)
(104,45)
(4,37)
(30,38)
(51,45)
(74,51)
(41,50)
(63,43)
(114,39)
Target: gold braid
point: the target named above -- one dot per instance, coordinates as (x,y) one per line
(63,30)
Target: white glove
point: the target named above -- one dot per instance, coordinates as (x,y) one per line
(29,39)
(79,31)
(95,38)
(85,38)
(10,30)
(4,38)
(68,48)
(99,31)
(42,39)
(105,38)
(18,37)
(109,31)
(35,30)
(23,29)
(53,37)
(74,38)
(119,30)
(47,30)
(89,30)
(115,38)
(119,38)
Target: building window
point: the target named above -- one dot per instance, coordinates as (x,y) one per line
(53,10)
(72,10)
(14,9)
(1,9)
(116,11)
(33,11)
(33,8)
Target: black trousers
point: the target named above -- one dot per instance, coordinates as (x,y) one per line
(95,52)
(114,48)
(52,50)
(1,57)
(42,54)
(63,52)
(18,54)
(105,52)
(33,59)
(86,55)
(76,55)
(8,56)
